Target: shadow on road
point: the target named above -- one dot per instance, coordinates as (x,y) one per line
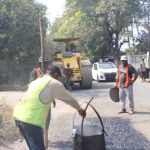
(142,113)
(121,136)
(67,145)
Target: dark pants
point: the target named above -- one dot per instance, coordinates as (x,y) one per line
(67,82)
(32,134)
(143,74)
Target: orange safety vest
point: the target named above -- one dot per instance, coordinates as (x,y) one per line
(38,73)
(128,79)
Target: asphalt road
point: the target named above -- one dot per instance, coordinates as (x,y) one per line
(125,132)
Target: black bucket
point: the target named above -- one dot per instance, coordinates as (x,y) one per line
(94,139)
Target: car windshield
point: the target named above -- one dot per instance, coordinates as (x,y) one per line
(106,66)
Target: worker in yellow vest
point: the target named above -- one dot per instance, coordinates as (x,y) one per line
(31,113)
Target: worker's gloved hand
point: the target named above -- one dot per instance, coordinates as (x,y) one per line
(82,112)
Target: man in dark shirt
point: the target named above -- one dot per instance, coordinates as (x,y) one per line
(126,76)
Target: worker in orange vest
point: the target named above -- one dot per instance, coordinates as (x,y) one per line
(126,76)
(37,73)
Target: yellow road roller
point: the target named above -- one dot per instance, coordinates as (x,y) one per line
(81,67)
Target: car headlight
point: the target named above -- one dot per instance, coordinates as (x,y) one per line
(101,72)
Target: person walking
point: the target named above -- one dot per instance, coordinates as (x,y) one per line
(37,73)
(30,114)
(143,69)
(68,74)
(126,76)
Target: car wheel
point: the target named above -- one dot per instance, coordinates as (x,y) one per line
(98,78)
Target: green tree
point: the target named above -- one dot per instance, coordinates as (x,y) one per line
(142,46)
(19,34)
(101,24)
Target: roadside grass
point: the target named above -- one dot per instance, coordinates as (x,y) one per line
(8,130)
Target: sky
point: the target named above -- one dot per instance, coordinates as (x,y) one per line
(55,8)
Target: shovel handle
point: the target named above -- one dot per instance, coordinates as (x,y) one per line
(46,138)
(85,110)
(99,117)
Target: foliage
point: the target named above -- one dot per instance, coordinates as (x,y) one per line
(142,47)
(101,24)
(19,34)
(8,131)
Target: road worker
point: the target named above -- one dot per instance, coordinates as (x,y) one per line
(125,80)
(31,113)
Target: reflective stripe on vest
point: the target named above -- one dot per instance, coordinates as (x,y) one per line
(128,79)
(31,109)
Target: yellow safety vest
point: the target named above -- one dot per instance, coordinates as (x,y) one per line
(31,109)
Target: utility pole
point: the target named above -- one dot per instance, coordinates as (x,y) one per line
(42,43)
(43,70)
(132,34)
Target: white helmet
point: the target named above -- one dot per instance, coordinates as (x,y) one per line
(124,58)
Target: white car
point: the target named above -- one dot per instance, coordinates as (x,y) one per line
(104,71)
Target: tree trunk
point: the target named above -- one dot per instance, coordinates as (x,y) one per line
(116,51)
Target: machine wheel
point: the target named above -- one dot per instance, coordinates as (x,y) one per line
(98,79)
(86,78)
(71,83)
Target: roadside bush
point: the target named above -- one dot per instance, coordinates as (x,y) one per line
(8,130)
